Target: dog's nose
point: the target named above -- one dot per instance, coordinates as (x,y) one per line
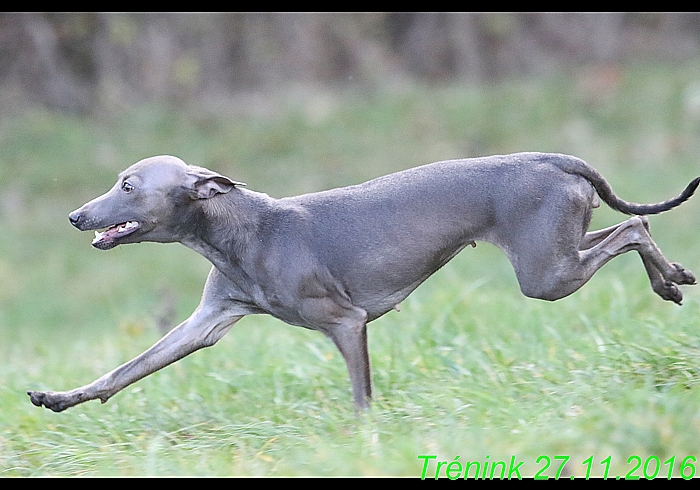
(75,218)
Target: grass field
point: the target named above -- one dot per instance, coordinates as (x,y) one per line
(469,368)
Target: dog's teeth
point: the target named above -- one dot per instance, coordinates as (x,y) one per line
(98,235)
(128,225)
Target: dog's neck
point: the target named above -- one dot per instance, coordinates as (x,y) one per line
(223,228)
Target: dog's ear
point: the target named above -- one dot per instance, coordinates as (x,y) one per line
(205,183)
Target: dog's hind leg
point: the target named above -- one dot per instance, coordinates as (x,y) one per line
(664,288)
(559,268)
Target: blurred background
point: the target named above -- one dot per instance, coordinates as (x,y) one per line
(90,63)
(293,103)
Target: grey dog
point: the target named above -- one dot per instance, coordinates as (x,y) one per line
(335,260)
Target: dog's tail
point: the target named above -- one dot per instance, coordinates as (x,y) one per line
(605,192)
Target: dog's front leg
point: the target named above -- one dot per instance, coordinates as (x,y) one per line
(203,329)
(351,340)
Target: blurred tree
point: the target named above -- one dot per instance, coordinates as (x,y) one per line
(97,62)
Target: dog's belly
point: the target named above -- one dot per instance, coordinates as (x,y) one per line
(379,287)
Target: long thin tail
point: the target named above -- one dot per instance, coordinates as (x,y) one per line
(606,194)
(576,166)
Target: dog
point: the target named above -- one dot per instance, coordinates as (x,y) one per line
(335,260)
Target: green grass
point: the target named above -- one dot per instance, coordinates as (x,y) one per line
(468,368)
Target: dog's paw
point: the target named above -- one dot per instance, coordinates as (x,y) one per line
(669,292)
(682,275)
(49,399)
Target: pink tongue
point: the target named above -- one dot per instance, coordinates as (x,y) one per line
(115,231)
(109,234)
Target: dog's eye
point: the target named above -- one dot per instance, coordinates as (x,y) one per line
(126,187)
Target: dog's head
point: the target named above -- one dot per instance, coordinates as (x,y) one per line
(148,201)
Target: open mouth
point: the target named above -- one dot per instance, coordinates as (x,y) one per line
(106,239)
